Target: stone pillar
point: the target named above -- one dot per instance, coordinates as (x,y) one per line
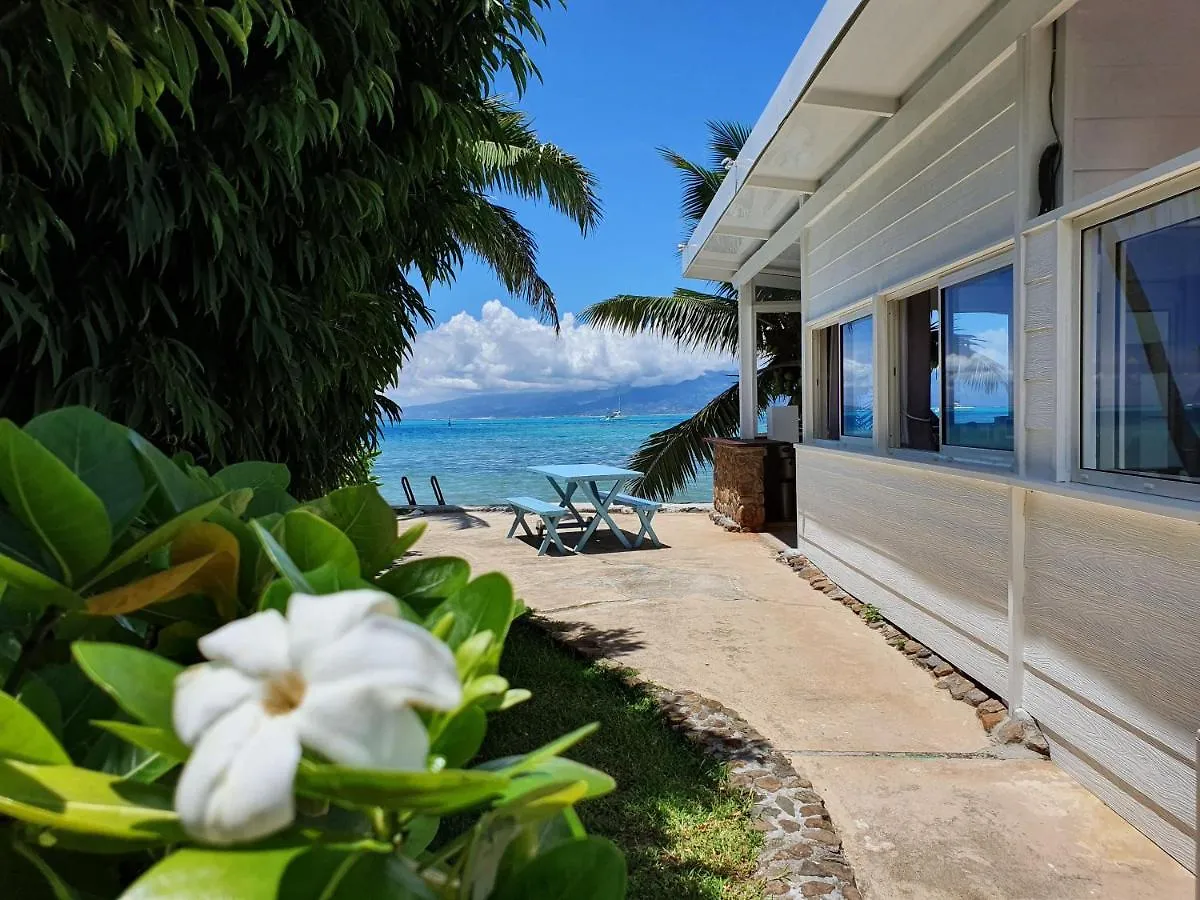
(738,482)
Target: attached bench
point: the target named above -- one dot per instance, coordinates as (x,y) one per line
(645,510)
(549,513)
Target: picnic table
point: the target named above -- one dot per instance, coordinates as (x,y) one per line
(589,480)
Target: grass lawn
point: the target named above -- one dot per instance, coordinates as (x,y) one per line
(684,833)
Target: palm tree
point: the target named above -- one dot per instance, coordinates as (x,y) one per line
(510,158)
(696,320)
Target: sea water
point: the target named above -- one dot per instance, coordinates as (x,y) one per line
(481,461)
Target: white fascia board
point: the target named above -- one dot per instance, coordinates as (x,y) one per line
(822,38)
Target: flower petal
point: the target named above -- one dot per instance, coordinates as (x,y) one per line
(351,727)
(255,798)
(203,694)
(315,621)
(237,784)
(257,644)
(401,662)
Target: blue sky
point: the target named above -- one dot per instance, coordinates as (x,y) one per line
(620,78)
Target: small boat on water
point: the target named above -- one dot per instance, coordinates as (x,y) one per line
(616,413)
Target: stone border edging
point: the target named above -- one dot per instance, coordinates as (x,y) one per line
(1002,727)
(802,854)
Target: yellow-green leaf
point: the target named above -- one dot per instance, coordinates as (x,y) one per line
(23,736)
(87,802)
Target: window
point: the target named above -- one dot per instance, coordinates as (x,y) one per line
(954,380)
(844,372)
(977,360)
(1141,330)
(827,369)
(858,378)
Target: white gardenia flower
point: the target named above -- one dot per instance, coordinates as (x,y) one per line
(339,675)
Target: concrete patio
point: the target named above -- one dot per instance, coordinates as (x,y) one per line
(923,814)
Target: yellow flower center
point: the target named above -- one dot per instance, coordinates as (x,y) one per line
(283,693)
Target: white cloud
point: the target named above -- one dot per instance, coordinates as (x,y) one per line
(501,351)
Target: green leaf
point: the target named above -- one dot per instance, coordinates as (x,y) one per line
(141,682)
(461,737)
(424,583)
(99,453)
(512,697)
(280,560)
(361,514)
(254,475)
(159,537)
(94,803)
(81,701)
(41,587)
(39,698)
(27,876)
(24,737)
(276,596)
(555,772)
(53,503)
(17,542)
(176,492)
(407,539)
(437,793)
(289,872)
(419,834)
(270,500)
(514,765)
(156,740)
(485,604)
(311,542)
(112,755)
(591,869)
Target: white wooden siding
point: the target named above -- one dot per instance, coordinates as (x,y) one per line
(1040,352)
(1113,648)
(1131,86)
(943,196)
(946,581)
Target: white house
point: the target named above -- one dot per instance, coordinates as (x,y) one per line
(991,214)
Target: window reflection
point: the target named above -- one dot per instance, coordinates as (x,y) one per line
(858,378)
(977,362)
(1145,270)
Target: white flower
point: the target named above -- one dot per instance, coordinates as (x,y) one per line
(339,675)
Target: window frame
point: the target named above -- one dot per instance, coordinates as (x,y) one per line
(1083,363)
(864,309)
(949,453)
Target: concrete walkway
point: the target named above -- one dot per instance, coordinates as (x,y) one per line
(920,818)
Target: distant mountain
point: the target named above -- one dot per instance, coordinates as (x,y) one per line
(668,399)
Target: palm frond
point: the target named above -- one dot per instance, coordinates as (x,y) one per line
(689,318)
(669,459)
(499,240)
(514,160)
(726,140)
(700,185)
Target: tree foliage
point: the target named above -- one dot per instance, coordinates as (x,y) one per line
(669,459)
(215,218)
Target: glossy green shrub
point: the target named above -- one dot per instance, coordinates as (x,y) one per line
(114,561)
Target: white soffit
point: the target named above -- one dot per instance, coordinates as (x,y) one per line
(859,62)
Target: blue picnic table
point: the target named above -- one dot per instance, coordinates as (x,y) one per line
(589,480)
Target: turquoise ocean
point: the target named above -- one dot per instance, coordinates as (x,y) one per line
(481,461)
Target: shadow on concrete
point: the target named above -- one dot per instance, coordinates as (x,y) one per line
(460,518)
(594,642)
(599,544)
